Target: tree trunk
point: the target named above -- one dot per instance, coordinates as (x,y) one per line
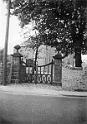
(78,60)
(35,65)
(6,47)
(36,58)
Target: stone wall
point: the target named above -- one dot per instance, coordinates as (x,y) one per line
(15,77)
(1,73)
(57,73)
(23,74)
(74,79)
(15,74)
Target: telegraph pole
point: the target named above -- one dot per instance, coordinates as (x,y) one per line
(6,45)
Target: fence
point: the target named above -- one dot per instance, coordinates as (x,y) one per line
(43,74)
(19,72)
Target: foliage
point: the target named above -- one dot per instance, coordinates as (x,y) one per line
(34,43)
(60,23)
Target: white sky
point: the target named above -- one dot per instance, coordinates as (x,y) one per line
(14,29)
(15,32)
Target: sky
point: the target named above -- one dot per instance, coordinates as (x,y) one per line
(14,29)
(15,32)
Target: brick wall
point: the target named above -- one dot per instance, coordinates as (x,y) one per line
(18,76)
(1,73)
(23,74)
(74,79)
(15,74)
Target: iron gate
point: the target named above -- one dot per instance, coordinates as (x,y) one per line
(43,74)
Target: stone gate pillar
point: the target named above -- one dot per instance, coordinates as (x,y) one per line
(1,73)
(57,77)
(16,68)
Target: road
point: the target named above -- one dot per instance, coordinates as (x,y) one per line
(32,109)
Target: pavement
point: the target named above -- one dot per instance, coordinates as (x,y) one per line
(39,89)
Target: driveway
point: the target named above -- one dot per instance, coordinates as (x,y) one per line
(42,109)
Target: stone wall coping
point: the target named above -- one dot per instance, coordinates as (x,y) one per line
(73,68)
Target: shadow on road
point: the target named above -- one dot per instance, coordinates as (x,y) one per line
(4,121)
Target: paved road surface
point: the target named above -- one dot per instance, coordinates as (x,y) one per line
(32,109)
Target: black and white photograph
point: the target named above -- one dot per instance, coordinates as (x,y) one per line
(43,61)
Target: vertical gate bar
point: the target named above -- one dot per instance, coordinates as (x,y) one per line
(48,68)
(36,74)
(32,74)
(46,78)
(44,70)
(40,70)
(51,72)
(40,75)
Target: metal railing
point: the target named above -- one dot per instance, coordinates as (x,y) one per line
(43,74)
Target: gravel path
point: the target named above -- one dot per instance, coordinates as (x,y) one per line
(37,86)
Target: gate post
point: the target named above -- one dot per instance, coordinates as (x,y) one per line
(1,73)
(57,77)
(16,68)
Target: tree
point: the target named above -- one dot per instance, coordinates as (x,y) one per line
(34,43)
(61,23)
(78,29)
(67,23)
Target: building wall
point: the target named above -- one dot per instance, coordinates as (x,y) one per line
(45,54)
